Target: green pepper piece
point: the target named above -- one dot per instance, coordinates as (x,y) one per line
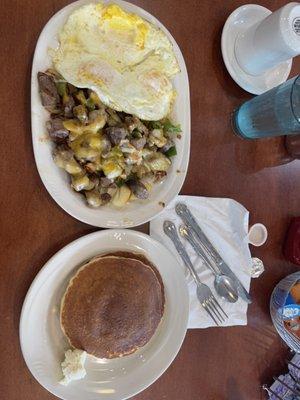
(119,182)
(155,125)
(90,104)
(61,88)
(81,97)
(171,152)
(169,127)
(136,134)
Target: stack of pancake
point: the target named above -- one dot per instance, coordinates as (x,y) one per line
(113,305)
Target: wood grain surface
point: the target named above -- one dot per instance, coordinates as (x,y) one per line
(213,364)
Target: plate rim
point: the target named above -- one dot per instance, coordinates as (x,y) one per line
(178,179)
(50,264)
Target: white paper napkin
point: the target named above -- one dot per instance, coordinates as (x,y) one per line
(225,222)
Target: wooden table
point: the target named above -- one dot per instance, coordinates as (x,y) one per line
(213,364)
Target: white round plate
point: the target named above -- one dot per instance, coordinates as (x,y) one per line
(56,180)
(237,23)
(43,342)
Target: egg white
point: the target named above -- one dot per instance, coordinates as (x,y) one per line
(126,60)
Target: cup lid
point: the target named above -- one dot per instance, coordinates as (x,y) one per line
(257,235)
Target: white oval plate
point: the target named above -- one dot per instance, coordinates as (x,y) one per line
(43,342)
(56,181)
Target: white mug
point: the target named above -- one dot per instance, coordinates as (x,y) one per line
(271,41)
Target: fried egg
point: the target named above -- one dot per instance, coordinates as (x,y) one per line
(125,59)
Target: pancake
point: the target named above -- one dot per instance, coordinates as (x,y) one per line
(135,256)
(112,306)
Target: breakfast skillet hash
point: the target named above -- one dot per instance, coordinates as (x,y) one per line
(109,95)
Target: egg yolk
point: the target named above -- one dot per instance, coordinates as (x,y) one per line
(122,21)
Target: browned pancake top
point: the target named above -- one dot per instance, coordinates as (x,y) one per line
(136,256)
(112,306)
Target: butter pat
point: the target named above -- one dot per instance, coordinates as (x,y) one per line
(73,366)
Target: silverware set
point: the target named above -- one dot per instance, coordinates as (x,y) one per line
(224,285)
(227,285)
(188,218)
(204,294)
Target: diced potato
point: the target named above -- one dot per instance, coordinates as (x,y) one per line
(83,151)
(77,128)
(94,142)
(94,166)
(97,124)
(141,170)
(134,158)
(146,153)
(97,164)
(132,155)
(93,198)
(86,153)
(74,126)
(72,167)
(111,169)
(112,190)
(132,197)
(116,152)
(159,162)
(65,159)
(80,182)
(148,180)
(113,118)
(121,196)
(88,146)
(128,169)
(148,186)
(127,148)
(80,112)
(95,99)
(157,137)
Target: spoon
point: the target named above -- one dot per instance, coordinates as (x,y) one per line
(225,286)
(188,219)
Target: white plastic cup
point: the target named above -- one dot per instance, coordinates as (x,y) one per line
(271,41)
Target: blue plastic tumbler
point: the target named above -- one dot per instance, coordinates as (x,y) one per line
(273,113)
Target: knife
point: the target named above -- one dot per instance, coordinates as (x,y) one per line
(187,217)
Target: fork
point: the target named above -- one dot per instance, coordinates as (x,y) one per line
(204,294)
